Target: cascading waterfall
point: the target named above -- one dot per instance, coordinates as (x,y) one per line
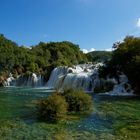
(56,75)
(81,76)
(9,81)
(84,76)
(24,80)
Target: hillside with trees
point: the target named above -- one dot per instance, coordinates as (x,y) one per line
(99,56)
(21,60)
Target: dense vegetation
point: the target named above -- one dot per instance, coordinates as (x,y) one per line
(99,56)
(78,100)
(54,108)
(126,58)
(20,60)
(58,105)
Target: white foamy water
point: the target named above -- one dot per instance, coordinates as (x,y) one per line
(85,76)
(31,80)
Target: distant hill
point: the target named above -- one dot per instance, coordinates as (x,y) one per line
(99,56)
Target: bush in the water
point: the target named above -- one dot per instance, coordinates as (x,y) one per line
(78,100)
(54,108)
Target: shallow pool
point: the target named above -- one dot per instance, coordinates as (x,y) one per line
(112,118)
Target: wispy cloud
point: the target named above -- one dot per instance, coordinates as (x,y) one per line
(87,51)
(136,30)
(138,22)
(91,50)
(109,49)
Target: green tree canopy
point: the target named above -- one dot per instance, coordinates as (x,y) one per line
(38,57)
(126,58)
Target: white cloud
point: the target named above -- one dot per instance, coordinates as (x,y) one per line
(138,22)
(109,49)
(91,50)
(87,51)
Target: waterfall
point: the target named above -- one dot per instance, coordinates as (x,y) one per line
(80,76)
(86,77)
(31,80)
(10,80)
(56,74)
(122,88)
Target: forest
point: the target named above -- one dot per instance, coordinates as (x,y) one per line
(44,56)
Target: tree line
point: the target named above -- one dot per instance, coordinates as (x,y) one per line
(38,58)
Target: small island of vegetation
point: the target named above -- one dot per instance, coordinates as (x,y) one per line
(59,106)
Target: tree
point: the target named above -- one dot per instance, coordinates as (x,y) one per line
(54,108)
(126,58)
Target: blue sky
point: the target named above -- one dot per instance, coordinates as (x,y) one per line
(95,24)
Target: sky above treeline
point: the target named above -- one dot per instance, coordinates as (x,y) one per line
(92,24)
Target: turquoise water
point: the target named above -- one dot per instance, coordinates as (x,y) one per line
(112,118)
(19,102)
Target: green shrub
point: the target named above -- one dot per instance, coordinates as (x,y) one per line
(54,108)
(78,100)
